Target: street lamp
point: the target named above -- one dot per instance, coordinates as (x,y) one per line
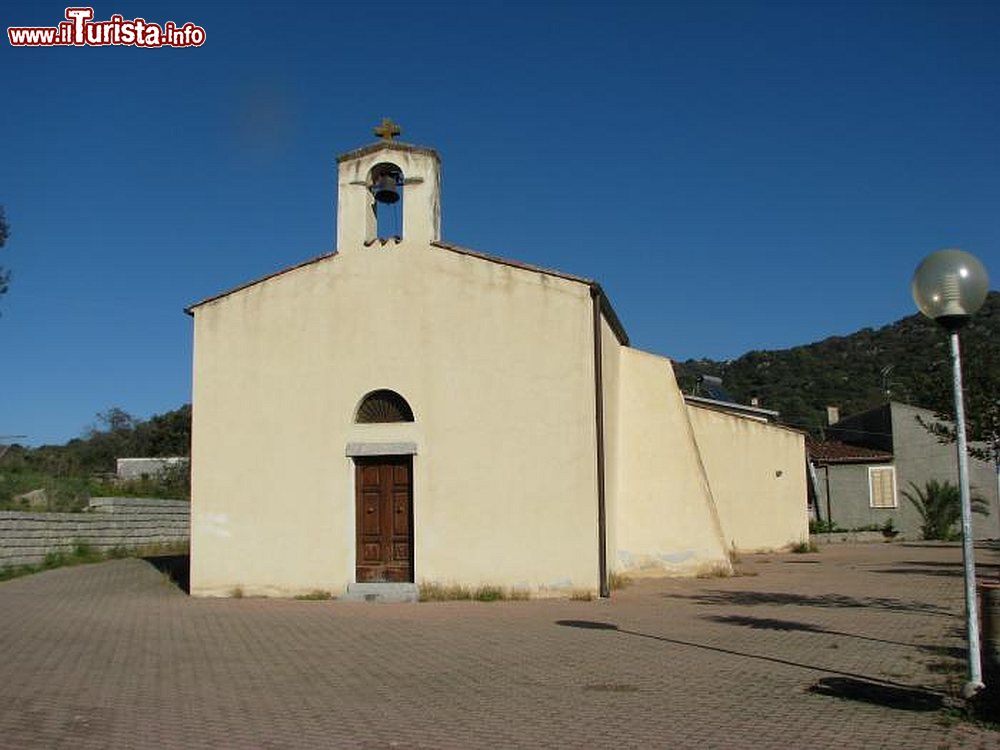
(949,286)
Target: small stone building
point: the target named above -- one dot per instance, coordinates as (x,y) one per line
(405,410)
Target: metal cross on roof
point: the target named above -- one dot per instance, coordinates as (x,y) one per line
(387,130)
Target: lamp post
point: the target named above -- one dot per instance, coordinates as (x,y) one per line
(949,286)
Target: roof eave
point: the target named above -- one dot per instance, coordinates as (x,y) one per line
(754,411)
(372,148)
(853,460)
(606,307)
(192,307)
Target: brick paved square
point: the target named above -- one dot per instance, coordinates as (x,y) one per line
(801,651)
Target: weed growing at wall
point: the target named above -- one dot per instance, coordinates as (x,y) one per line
(715,570)
(803,546)
(618,581)
(437,592)
(316,595)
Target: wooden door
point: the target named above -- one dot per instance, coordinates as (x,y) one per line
(384,499)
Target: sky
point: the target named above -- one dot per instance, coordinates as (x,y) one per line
(738,176)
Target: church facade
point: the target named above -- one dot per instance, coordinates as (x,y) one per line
(406,411)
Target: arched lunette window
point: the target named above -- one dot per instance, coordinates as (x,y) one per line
(383,406)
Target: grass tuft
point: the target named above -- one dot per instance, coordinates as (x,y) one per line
(439,592)
(16,571)
(714,570)
(582,595)
(804,546)
(489,594)
(236,593)
(618,581)
(316,595)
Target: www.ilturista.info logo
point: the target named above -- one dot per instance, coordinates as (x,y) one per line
(80,30)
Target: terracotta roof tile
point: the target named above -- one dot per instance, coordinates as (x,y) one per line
(835,452)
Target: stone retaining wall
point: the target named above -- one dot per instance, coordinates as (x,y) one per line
(26,537)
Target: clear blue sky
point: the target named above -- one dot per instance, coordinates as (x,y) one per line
(737,175)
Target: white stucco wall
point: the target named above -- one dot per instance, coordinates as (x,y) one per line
(665,518)
(757,473)
(497,365)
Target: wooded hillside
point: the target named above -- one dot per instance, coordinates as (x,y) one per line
(847,371)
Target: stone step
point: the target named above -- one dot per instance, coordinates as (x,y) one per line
(382,593)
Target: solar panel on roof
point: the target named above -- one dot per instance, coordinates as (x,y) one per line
(710,386)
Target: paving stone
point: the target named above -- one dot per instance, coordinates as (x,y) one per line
(801,650)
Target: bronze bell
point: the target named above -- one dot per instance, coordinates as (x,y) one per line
(386,189)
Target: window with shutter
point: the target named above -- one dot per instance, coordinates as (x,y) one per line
(882,486)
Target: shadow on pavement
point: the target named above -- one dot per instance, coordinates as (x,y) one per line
(991,545)
(750,598)
(176,567)
(936,568)
(936,572)
(607,626)
(942,564)
(767,623)
(879,694)
(587,624)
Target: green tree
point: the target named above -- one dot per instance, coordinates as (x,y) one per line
(981,391)
(940,507)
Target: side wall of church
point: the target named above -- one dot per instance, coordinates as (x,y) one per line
(497,365)
(757,472)
(665,520)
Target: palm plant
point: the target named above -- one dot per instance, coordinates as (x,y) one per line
(940,507)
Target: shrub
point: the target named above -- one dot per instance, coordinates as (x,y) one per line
(825,527)
(940,507)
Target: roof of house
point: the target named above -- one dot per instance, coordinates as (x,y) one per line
(836,452)
(609,312)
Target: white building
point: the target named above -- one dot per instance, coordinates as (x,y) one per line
(405,410)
